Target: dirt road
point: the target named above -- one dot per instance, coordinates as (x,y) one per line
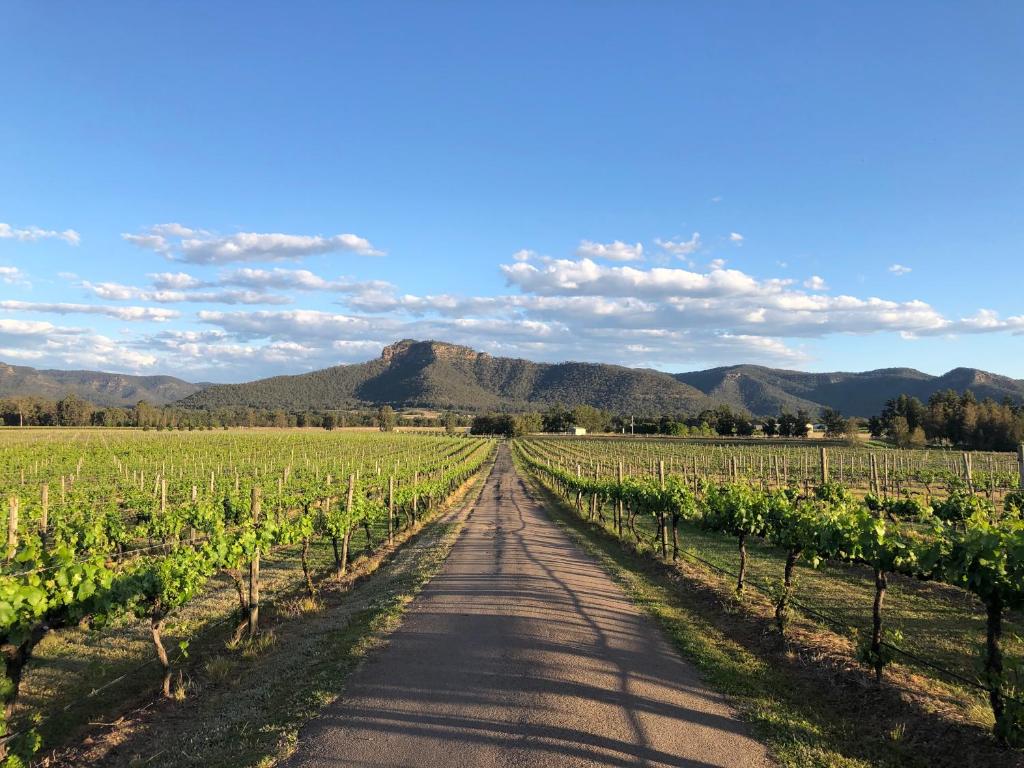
(523,652)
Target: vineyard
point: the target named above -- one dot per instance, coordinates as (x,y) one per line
(916,556)
(126,533)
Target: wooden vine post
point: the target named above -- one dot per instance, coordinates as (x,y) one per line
(824,465)
(348,528)
(415,495)
(254,566)
(618,504)
(391,509)
(968,472)
(661,512)
(12,528)
(44,515)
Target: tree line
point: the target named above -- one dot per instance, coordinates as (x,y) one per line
(73,411)
(722,421)
(951,418)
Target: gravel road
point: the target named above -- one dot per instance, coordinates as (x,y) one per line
(523,652)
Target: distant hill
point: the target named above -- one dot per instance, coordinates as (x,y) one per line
(106,389)
(764,391)
(436,375)
(431,374)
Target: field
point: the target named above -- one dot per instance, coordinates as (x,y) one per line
(133,557)
(734,515)
(191,567)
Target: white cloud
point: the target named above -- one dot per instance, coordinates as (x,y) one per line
(195,246)
(680,248)
(119,313)
(587,278)
(899,269)
(736,237)
(815,283)
(575,308)
(43,343)
(615,251)
(178,281)
(13,276)
(293,325)
(69,236)
(120,292)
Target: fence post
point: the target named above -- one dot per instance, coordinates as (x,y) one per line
(254,566)
(391,508)
(348,517)
(12,528)
(969,471)
(824,465)
(44,517)
(662,511)
(618,504)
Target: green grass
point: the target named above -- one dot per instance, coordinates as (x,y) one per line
(937,622)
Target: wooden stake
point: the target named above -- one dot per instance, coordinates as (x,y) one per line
(254,566)
(12,528)
(391,509)
(44,517)
(348,530)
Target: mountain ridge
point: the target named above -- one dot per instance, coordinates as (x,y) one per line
(99,388)
(439,375)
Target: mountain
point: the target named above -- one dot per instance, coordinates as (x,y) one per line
(765,391)
(105,389)
(432,374)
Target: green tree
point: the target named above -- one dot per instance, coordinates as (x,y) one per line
(836,425)
(558,419)
(529,422)
(386,418)
(73,411)
(449,422)
(590,418)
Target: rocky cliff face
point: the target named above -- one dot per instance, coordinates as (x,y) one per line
(429,351)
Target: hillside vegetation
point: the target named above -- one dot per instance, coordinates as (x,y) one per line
(437,375)
(105,389)
(431,374)
(440,376)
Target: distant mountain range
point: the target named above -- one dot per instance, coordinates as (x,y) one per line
(106,389)
(436,375)
(432,374)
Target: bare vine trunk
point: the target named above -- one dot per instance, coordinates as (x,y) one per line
(782,607)
(156,627)
(876,627)
(310,589)
(741,577)
(994,664)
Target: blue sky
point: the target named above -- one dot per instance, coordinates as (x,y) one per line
(227,190)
